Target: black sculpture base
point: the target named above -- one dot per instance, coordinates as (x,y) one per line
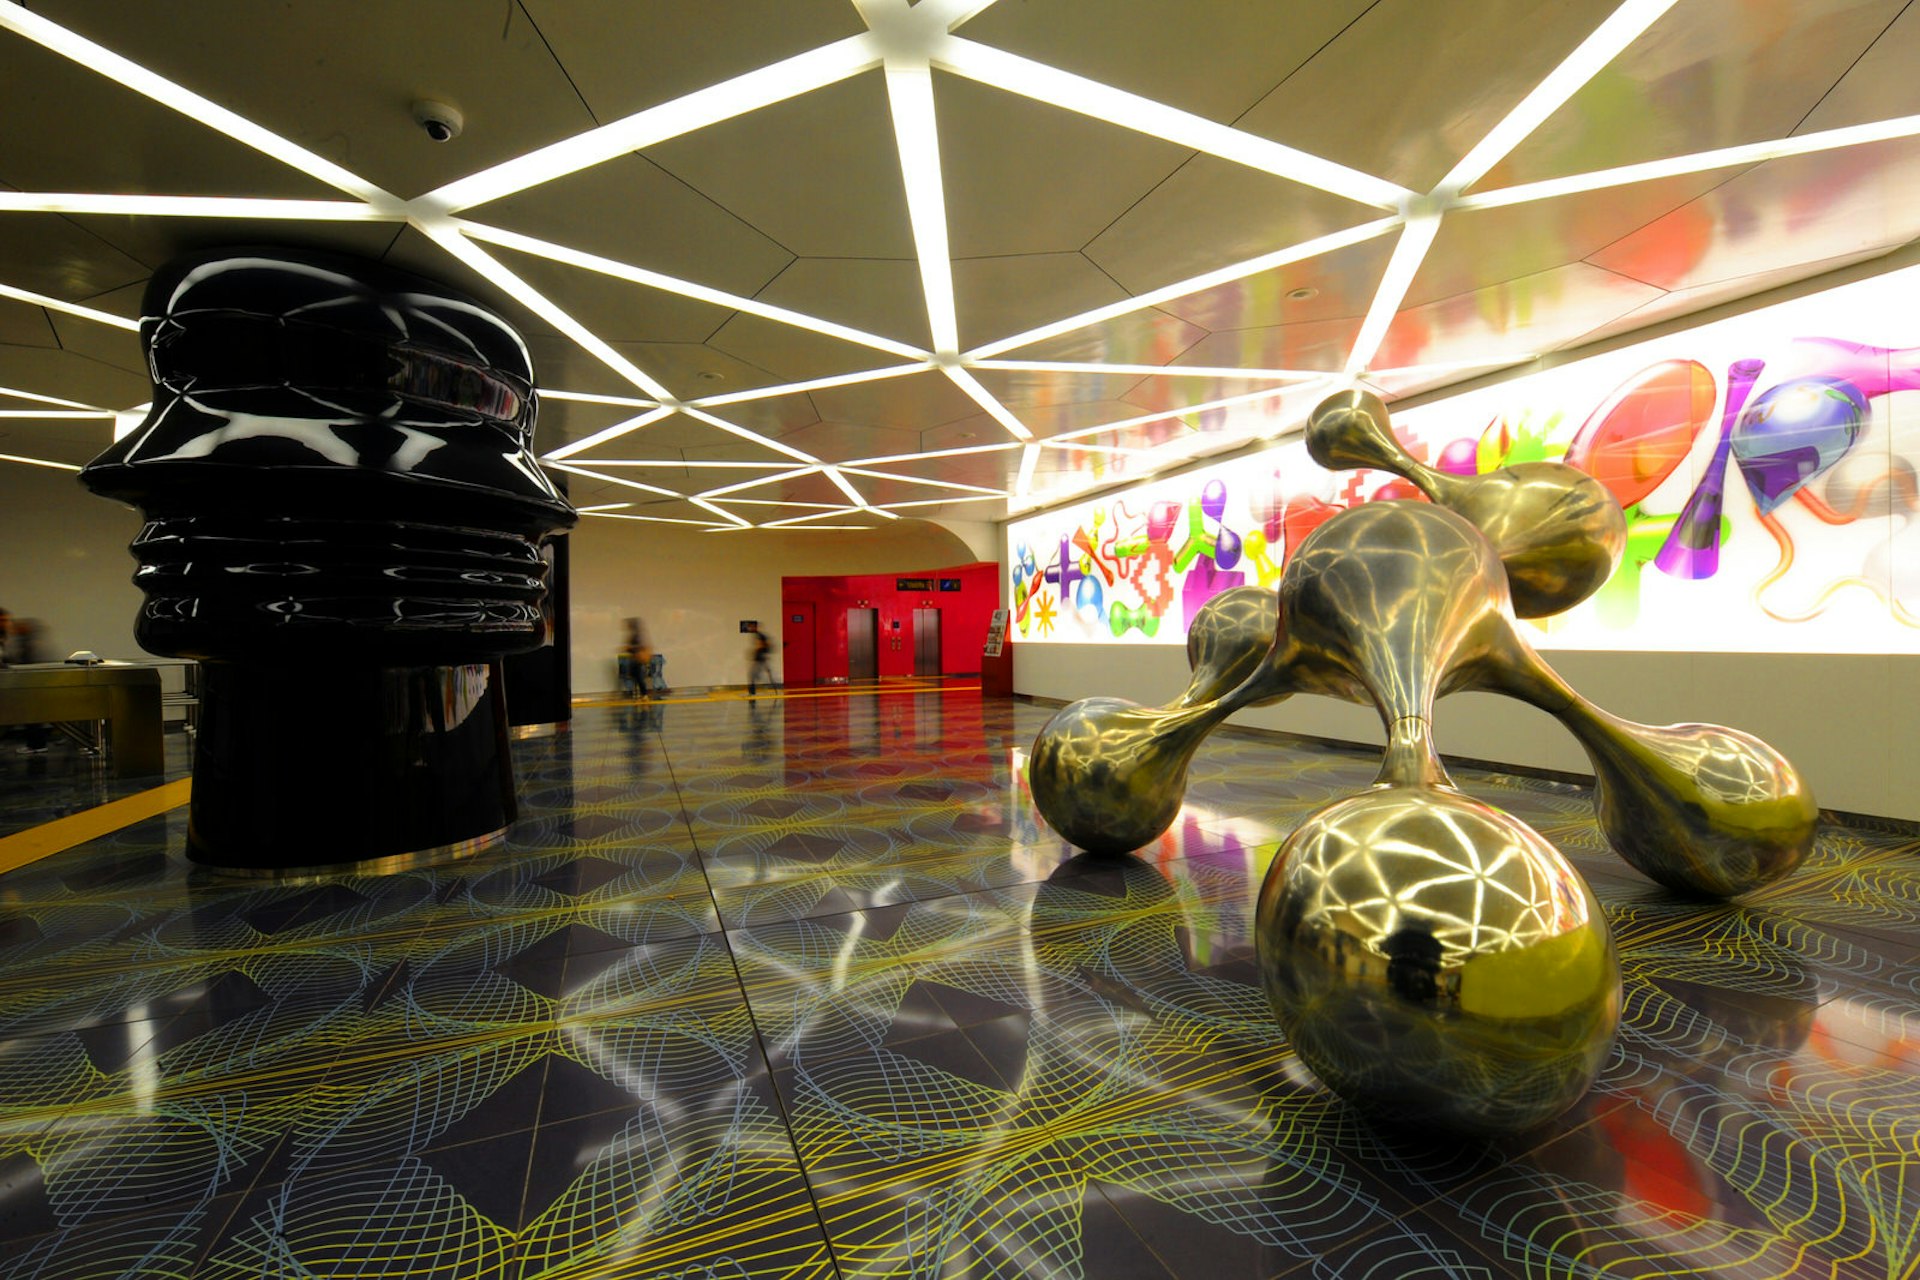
(302,766)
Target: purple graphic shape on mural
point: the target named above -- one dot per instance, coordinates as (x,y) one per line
(1213,499)
(1226,548)
(1204,581)
(1794,432)
(1874,371)
(1692,550)
(1066,570)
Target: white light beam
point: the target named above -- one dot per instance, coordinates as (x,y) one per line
(98,58)
(760,88)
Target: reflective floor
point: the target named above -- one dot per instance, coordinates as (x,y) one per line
(804,988)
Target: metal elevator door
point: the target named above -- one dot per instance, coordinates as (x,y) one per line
(863,658)
(926,642)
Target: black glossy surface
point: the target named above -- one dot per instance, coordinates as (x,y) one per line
(805,990)
(343,517)
(335,466)
(303,766)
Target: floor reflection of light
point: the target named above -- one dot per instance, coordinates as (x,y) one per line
(143,1066)
(843,959)
(1856,1033)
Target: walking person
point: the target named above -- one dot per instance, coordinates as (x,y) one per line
(758,668)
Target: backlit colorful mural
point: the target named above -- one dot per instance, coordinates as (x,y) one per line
(1769,466)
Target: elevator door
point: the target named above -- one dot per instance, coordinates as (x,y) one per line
(926,642)
(863,658)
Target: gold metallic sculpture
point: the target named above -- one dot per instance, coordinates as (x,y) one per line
(1435,960)
(1429,956)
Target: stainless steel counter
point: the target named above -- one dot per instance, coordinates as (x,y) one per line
(125,695)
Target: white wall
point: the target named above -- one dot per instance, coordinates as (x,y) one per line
(692,588)
(64,561)
(1845,721)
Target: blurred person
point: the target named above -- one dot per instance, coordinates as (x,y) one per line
(23,647)
(635,658)
(758,667)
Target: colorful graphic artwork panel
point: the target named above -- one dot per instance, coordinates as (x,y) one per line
(1766,464)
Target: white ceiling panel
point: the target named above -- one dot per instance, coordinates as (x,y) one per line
(1708,74)
(880,296)
(788,169)
(848,245)
(339,78)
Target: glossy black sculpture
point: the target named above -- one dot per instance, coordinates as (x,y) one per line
(343,525)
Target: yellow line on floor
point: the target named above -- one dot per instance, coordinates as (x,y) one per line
(61,834)
(811,691)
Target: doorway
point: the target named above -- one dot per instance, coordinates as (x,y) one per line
(926,642)
(799,666)
(863,655)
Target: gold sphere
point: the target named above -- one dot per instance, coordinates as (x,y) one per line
(1435,961)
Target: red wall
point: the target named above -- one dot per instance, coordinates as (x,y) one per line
(964,615)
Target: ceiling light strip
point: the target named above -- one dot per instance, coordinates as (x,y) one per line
(1698,162)
(1063,89)
(38,462)
(801,522)
(1224,402)
(615,515)
(683,288)
(1029,460)
(733,429)
(631,484)
(950,13)
(57,413)
(844,485)
(757,481)
(1149,370)
(1625,25)
(922,480)
(449,238)
(35,396)
(737,96)
(100,59)
(614,432)
(195,207)
(722,512)
(685,463)
(1450,366)
(777,502)
(589,397)
(1182,288)
(801,388)
(986,400)
(603,506)
(940,502)
(69,308)
(1394,283)
(917,138)
(1001,447)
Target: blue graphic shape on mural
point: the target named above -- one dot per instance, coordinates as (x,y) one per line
(1794,432)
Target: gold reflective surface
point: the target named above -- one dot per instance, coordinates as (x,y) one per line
(1556,529)
(1435,961)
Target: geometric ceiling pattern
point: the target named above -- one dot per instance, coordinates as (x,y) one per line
(829,263)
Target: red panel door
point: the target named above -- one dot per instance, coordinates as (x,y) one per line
(796,643)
